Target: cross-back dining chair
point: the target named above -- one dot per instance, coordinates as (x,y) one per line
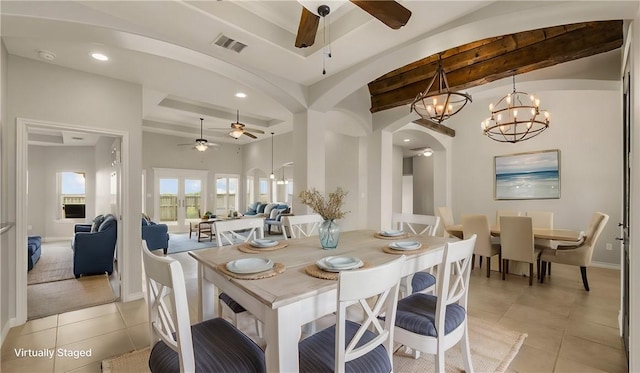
(485,246)
(177,346)
(433,324)
(228,233)
(301,225)
(419,225)
(516,241)
(358,347)
(416,224)
(579,254)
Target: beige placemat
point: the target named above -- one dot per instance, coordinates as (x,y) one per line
(389,250)
(247,248)
(378,235)
(315,271)
(277,269)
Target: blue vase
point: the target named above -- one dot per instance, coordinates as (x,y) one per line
(329,233)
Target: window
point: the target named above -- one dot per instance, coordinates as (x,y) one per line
(250,190)
(264,190)
(72,195)
(289,199)
(226,194)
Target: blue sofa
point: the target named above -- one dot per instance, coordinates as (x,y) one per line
(156,235)
(94,246)
(34,249)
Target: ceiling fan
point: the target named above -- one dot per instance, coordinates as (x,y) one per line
(201,144)
(391,13)
(238,129)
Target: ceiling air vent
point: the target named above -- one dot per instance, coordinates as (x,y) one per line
(228,43)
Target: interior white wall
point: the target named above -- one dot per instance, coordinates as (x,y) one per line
(590,143)
(50,93)
(342,171)
(397,170)
(163,151)
(103,169)
(423,179)
(45,162)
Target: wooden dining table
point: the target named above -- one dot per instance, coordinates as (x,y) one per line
(541,233)
(293,298)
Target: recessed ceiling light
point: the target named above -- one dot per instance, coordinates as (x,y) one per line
(99,57)
(240,95)
(407,140)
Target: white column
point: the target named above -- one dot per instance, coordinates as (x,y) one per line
(309,155)
(379,176)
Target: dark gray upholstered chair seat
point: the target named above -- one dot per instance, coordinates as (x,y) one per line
(317,352)
(233,305)
(422,281)
(217,346)
(417,312)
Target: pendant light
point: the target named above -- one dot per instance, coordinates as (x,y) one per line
(272,176)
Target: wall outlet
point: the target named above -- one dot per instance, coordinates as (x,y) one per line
(608,247)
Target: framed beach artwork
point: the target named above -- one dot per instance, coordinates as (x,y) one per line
(534,175)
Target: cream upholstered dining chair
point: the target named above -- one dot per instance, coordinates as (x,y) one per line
(485,247)
(419,225)
(228,232)
(542,219)
(446,217)
(577,255)
(301,225)
(177,346)
(500,213)
(516,240)
(358,347)
(433,324)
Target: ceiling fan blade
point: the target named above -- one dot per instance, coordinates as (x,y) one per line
(212,144)
(249,134)
(307,29)
(186,144)
(254,130)
(391,13)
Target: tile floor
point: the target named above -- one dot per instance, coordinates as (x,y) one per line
(569,329)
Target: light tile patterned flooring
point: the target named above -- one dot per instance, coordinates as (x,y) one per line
(569,329)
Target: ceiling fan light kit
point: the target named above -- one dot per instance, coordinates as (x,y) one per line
(439,104)
(515,117)
(201,144)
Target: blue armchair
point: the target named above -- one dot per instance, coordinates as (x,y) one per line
(34,249)
(156,235)
(93,250)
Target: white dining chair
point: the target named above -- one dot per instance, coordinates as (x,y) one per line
(213,345)
(231,232)
(300,226)
(358,347)
(433,324)
(516,241)
(418,225)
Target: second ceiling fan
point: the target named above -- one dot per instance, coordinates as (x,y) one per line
(238,129)
(391,13)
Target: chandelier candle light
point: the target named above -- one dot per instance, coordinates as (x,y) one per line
(515,118)
(442,103)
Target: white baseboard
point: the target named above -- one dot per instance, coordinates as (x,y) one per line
(605,265)
(132,297)
(5,331)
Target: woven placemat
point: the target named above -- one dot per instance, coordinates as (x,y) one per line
(378,235)
(315,271)
(277,269)
(389,250)
(247,248)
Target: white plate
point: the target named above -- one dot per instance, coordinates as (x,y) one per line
(405,245)
(391,233)
(249,265)
(339,263)
(263,243)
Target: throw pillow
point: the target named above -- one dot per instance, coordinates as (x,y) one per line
(144,222)
(274,214)
(254,206)
(96,223)
(268,208)
(260,208)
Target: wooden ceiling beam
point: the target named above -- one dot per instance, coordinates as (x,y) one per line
(436,127)
(497,58)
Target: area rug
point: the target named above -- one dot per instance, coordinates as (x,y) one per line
(180,242)
(68,295)
(492,350)
(55,264)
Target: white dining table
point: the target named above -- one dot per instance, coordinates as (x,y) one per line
(289,300)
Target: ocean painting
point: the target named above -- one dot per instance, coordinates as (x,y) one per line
(528,175)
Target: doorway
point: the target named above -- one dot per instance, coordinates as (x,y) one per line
(39,132)
(180,197)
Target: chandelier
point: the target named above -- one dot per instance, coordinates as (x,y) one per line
(516,117)
(442,103)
